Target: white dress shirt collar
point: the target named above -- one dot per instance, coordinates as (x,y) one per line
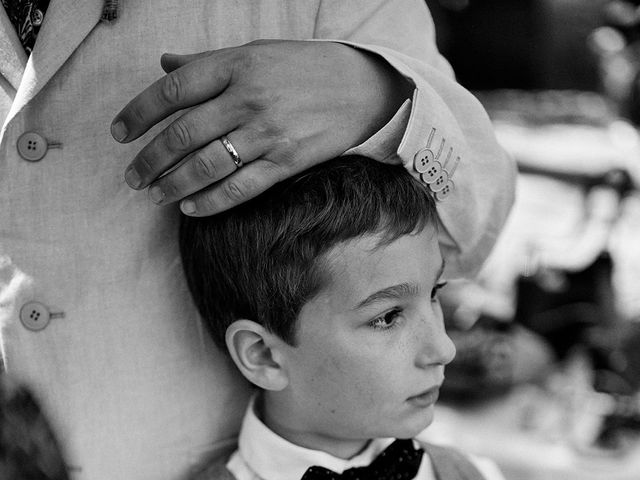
(264,454)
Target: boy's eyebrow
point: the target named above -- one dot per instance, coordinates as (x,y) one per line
(394,292)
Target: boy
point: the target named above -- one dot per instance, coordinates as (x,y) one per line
(324,292)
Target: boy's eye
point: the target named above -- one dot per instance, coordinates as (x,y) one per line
(387,321)
(434,292)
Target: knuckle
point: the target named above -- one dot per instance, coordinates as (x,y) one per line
(258,99)
(279,164)
(276,170)
(204,165)
(178,136)
(172,89)
(276,138)
(267,130)
(234,191)
(284,147)
(287,145)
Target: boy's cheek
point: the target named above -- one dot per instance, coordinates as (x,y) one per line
(344,383)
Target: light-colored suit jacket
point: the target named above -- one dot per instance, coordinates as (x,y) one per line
(94,313)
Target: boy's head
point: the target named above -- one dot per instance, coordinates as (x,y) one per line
(323,291)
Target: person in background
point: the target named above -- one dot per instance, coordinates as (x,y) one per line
(329,306)
(95,315)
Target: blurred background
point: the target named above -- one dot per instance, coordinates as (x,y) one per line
(547,377)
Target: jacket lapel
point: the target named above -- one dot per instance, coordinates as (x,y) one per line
(12,56)
(66,24)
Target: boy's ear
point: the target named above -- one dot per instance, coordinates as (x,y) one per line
(255,351)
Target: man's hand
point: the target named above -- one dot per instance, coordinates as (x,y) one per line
(284,106)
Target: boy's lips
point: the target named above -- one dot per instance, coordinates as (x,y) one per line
(426,398)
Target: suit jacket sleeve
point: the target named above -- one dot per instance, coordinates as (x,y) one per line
(402,33)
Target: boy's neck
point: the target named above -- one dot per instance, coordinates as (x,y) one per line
(278,417)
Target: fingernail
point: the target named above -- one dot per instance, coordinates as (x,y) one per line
(156,194)
(188,207)
(132,177)
(119,130)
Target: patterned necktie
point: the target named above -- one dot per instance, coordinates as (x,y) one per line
(400,461)
(26,17)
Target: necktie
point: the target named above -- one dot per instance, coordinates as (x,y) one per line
(400,461)
(26,17)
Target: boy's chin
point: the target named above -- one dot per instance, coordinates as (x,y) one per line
(410,429)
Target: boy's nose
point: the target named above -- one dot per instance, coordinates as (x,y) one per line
(449,349)
(436,349)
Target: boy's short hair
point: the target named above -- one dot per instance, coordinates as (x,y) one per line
(263,260)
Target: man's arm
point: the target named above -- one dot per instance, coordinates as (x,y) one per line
(440,114)
(286,106)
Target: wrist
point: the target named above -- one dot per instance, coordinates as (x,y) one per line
(384,90)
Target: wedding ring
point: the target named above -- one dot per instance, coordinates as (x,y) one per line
(232,151)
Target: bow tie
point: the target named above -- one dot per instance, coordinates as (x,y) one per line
(400,461)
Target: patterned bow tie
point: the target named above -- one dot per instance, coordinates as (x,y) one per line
(400,461)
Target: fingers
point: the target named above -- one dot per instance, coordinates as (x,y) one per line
(193,83)
(184,135)
(285,103)
(246,183)
(207,165)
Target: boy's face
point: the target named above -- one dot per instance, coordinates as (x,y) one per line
(371,347)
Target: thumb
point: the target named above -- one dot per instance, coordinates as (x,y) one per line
(171,61)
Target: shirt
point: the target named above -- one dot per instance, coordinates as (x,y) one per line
(264,455)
